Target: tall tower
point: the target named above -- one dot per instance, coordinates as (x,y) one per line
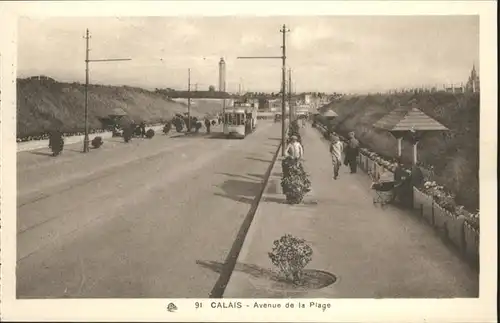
(222,82)
(222,75)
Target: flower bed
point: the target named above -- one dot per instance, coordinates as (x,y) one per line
(446,201)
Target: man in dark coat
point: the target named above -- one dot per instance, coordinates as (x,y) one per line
(351,152)
(403,190)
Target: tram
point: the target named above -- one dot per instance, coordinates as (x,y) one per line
(240,120)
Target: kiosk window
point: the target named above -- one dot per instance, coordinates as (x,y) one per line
(240,119)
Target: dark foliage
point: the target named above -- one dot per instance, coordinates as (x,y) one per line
(97,142)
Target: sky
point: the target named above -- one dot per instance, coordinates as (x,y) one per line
(325,53)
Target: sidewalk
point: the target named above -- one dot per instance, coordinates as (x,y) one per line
(373,252)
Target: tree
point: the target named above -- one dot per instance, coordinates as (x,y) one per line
(211,88)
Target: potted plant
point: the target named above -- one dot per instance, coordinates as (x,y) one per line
(291,255)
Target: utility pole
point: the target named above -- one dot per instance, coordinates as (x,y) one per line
(86,137)
(86,140)
(284,30)
(189,101)
(292,111)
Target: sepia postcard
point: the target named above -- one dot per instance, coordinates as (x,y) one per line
(248,161)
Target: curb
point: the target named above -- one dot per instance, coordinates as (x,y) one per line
(239,243)
(254,225)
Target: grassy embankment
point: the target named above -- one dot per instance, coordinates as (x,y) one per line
(43,105)
(453,154)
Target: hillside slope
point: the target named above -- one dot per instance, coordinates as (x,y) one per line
(454,154)
(45,104)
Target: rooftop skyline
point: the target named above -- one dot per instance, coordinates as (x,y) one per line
(326,53)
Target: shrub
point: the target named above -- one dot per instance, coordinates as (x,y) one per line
(127,134)
(198,125)
(295,182)
(137,131)
(286,164)
(213,122)
(97,142)
(178,124)
(193,121)
(150,133)
(291,255)
(166,128)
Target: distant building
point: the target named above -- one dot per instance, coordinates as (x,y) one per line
(275,105)
(473,84)
(305,98)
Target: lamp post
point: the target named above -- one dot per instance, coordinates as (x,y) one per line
(86,140)
(283,30)
(291,112)
(189,101)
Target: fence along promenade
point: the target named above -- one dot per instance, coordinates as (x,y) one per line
(452,227)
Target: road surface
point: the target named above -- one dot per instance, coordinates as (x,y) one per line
(135,220)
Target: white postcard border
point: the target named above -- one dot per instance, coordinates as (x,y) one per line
(443,310)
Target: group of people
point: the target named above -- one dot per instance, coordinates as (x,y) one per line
(350,150)
(337,149)
(403,182)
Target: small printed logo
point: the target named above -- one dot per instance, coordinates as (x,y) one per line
(171,307)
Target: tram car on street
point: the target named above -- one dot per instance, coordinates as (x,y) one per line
(240,120)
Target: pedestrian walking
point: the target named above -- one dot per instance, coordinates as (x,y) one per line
(336,148)
(294,149)
(351,152)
